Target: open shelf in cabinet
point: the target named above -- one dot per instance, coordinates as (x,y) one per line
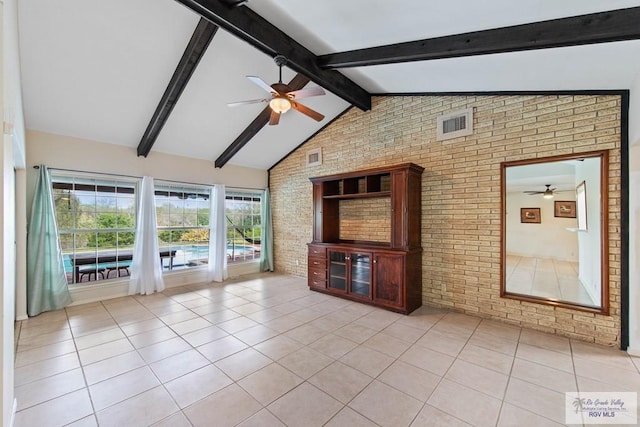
(374,185)
(358,195)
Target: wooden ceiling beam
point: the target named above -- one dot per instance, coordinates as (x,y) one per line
(601,27)
(297,83)
(233,3)
(247,25)
(194,51)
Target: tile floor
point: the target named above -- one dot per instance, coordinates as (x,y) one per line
(265,351)
(546,278)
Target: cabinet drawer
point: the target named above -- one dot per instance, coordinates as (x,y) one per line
(317,273)
(317,263)
(317,251)
(318,284)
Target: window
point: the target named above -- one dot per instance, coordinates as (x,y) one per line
(183,223)
(244,226)
(96,223)
(96,219)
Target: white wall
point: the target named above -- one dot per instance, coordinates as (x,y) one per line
(549,239)
(589,241)
(634,218)
(11,157)
(64,152)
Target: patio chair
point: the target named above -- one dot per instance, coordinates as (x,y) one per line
(91,270)
(119,269)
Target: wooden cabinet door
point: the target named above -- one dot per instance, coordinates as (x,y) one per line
(337,263)
(388,286)
(360,274)
(399,217)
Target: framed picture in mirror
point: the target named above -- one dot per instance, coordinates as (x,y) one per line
(530,215)
(564,209)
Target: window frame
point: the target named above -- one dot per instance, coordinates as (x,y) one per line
(182,190)
(72,178)
(252,193)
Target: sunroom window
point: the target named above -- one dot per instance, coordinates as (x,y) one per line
(183,223)
(244,226)
(96,221)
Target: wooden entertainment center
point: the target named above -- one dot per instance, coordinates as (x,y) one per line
(385,273)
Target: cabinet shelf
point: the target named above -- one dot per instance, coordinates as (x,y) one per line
(358,195)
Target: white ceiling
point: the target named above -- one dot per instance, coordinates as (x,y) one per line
(97,70)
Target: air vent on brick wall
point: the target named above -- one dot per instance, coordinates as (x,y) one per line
(314,157)
(453,125)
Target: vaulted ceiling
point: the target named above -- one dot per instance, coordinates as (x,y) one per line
(153,75)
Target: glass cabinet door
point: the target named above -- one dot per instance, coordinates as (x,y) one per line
(338,270)
(360,268)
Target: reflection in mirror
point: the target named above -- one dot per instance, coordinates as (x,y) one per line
(554,233)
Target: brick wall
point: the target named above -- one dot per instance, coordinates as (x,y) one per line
(366,219)
(461,192)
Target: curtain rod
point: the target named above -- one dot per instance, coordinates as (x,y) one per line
(139,177)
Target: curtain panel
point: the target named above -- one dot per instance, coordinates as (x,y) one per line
(266,253)
(146,267)
(46,277)
(217,265)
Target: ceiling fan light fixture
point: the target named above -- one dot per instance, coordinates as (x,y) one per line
(280,104)
(548,194)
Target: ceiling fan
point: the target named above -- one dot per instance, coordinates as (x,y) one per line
(547,193)
(282,97)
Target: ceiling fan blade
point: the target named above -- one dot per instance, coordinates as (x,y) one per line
(251,101)
(259,82)
(531,193)
(305,93)
(307,111)
(274,119)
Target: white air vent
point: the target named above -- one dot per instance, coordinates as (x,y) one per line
(314,157)
(459,123)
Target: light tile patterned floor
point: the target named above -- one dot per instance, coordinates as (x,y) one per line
(546,278)
(265,351)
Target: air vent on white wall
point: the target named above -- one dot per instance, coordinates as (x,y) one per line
(459,123)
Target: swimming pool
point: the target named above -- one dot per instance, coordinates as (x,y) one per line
(196,254)
(189,255)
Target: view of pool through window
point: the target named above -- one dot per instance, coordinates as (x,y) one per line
(182,214)
(244,225)
(96,218)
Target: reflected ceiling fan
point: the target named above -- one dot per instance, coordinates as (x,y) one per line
(282,97)
(547,193)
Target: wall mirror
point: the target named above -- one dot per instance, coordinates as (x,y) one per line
(554,231)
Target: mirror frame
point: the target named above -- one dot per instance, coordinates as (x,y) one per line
(604,232)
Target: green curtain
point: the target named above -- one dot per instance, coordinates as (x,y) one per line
(266,253)
(46,279)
